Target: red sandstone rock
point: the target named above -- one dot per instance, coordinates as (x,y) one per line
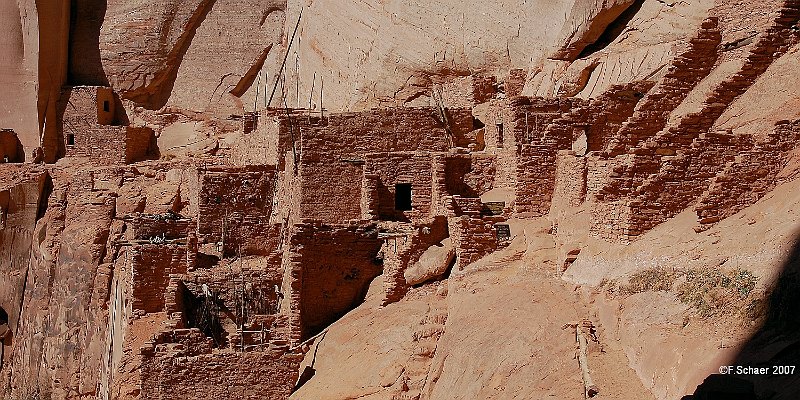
(188,238)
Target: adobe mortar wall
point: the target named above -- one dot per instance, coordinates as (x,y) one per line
(570,181)
(748,177)
(674,167)
(404,248)
(385,171)
(110,145)
(683,74)
(151,265)
(184,366)
(330,270)
(331,190)
(473,237)
(333,152)
(238,201)
(535,179)
(469,175)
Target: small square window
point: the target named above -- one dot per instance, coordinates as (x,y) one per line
(402,197)
(70,139)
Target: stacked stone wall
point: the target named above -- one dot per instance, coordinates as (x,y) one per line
(331,268)
(152,265)
(570,180)
(181,364)
(747,178)
(235,207)
(536,172)
(674,167)
(388,170)
(682,75)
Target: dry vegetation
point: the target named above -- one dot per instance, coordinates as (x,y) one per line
(709,290)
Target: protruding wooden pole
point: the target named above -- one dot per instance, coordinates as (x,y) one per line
(589,388)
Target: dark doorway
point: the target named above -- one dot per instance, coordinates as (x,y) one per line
(402,197)
(5,335)
(70,139)
(500,135)
(106,106)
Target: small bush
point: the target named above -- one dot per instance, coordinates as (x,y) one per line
(712,291)
(651,279)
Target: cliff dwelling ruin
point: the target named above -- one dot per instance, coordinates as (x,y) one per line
(275,200)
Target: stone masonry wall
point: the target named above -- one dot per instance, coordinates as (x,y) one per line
(331,268)
(672,168)
(334,148)
(387,170)
(748,177)
(535,179)
(181,364)
(235,207)
(110,145)
(570,181)
(469,175)
(152,265)
(402,249)
(682,75)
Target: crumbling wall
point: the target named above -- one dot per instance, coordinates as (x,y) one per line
(468,175)
(166,226)
(246,294)
(474,235)
(151,265)
(468,91)
(682,75)
(515,82)
(570,181)
(331,270)
(747,178)
(590,125)
(180,363)
(473,238)
(672,168)
(235,207)
(402,248)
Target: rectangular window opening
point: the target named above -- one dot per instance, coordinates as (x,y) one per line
(70,139)
(500,134)
(106,106)
(402,197)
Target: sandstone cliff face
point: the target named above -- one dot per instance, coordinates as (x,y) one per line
(391,52)
(190,55)
(33,66)
(469,184)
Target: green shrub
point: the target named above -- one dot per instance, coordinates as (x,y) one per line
(712,290)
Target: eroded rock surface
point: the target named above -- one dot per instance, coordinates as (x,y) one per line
(395,200)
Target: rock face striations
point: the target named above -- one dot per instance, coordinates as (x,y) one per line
(194,194)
